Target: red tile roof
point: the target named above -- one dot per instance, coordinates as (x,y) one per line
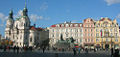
(33,28)
(53,26)
(104,19)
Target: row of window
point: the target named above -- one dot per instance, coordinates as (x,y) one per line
(97,30)
(106,25)
(111,34)
(89,25)
(89,30)
(89,34)
(80,30)
(107,40)
(67,35)
(88,40)
(69,25)
(66,30)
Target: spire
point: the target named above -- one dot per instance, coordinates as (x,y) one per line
(11,14)
(25,10)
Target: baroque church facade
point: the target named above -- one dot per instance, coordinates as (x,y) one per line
(22,33)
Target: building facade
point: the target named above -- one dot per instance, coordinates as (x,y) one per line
(22,33)
(107,33)
(88,33)
(103,33)
(68,30)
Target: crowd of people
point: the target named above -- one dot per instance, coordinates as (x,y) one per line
(15,48)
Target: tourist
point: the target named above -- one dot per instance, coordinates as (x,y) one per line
(94,49)
(86,50)
(74,50)
(17,49)
(43,49)
(79,50)
(4,48)
(14,48)
(112,52)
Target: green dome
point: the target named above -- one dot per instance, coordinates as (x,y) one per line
(11,14)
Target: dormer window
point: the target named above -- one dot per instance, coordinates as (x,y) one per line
(62,25)
(76,25)
(57,25)
(80,25)
(70,25)
(67,25)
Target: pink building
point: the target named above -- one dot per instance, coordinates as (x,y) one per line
(88,33)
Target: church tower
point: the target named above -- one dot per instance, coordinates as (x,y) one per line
(9,25)
(25,21)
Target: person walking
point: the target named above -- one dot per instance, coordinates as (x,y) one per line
(5,48)
(74,50)
(79,49)
(112,52)
(17,49)
(43,49)
(86,50)
(14,48)
(94,49)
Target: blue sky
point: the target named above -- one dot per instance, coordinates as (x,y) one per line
(44,13)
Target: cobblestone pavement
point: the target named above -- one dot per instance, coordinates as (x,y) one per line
(53,54)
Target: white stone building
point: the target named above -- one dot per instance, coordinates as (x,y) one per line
(68,30)
(21,33)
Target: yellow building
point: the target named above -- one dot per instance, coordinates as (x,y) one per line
(107,33)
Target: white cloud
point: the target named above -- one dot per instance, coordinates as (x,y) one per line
(3,18)
(36,17)
(18,14)
(110,2)
(44,6)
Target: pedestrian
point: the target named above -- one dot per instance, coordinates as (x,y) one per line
(74,50)
(112,52)
(43,49)
(14,48)
(4,48)
(116,54)
(17,49)
(94,49)
(86,50)
(79,49)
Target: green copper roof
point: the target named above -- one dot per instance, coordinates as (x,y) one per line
(18,18)
(21,17)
